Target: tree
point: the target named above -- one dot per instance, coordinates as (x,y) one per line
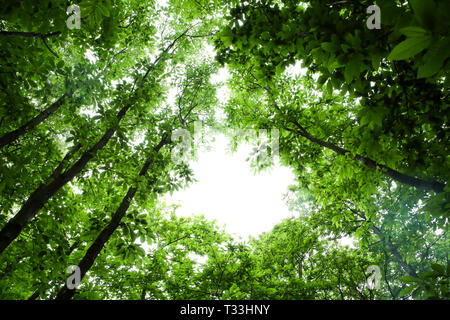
(95,127)
(45,191)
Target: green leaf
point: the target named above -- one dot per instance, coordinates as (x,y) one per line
(427,275)
(104,10)
(409,279)
(409,48)
(376,60)
(413,31)
(328,46)
(416,292)
(406,291)
(424,10)
(434,59)
(352,70)
(438,268)
(227,37)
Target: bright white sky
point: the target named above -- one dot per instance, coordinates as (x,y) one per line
(229,192)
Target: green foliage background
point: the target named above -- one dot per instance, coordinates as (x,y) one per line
(86,155)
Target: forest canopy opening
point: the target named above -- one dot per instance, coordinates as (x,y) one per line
(343,106)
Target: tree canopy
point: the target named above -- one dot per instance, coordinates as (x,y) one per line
(94,119)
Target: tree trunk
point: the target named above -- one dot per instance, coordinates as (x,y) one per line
(45,191)
(15,134)
(94,250)
(35,295)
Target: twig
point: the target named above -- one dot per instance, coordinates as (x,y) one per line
(48,47)
(28,34)
(41,36)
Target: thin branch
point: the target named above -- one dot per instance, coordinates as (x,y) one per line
(405,266)
(174,241)
(386,258)
(28,34)
(211,34)
(112,59)
(166,50)
(48,47)
(41,36)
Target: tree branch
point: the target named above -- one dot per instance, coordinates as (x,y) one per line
(41,36)
(48,47)
(393,174)
(406,267)
(28,34)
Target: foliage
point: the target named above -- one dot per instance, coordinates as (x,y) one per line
(87,116)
